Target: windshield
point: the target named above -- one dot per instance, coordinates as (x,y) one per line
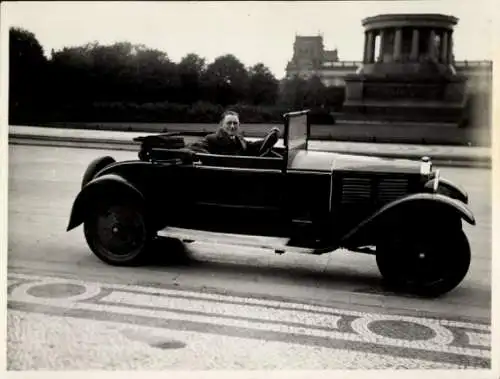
(297,131)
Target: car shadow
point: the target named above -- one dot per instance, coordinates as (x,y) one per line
(180,256)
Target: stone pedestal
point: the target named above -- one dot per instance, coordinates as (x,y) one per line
(407,72)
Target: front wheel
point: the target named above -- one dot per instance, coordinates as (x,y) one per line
(118,234)
(430,265)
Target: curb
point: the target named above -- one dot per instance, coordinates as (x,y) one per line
(114,144)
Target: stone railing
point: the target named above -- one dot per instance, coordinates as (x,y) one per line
(462,64)
(342,64)
(474,64)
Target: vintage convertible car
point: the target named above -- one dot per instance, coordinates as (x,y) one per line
(288,198)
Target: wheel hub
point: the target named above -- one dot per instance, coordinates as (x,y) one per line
(119,233)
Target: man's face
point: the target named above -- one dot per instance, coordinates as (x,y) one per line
(231,124)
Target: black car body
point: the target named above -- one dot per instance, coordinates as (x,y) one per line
(400,210)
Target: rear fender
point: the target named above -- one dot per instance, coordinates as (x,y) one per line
(99,190)
(415,208)
(447,188)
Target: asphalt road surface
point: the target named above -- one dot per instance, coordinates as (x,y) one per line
(226,307)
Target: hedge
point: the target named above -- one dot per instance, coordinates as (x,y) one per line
(165,112)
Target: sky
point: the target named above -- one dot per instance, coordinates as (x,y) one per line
(253,31)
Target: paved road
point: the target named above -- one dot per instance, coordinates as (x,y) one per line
(227,308)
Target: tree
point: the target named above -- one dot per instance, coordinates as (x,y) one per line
(263,86)
(75,76)
(191,70)
(115,73)
(293,92)
(27,75)
(314,92)
(227,79)
(124,81)
(157,77)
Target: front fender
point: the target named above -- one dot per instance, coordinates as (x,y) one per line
(421,202)
(447,188)
(105,187)
(94,167)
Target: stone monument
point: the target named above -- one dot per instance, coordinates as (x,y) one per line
(407,72)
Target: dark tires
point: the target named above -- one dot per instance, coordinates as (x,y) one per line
(425,264)
(118,233)
(94,167)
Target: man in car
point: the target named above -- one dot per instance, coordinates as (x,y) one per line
(227,140)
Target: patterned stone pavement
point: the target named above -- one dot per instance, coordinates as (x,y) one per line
(56,323)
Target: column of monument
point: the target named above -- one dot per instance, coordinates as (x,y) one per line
(398,44)
(444,46)
(432,44)
(450,47)
(381,34)
(369,47)
(444,54)
(368,42)
(414,45)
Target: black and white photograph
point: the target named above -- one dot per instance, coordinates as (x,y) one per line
(282,186)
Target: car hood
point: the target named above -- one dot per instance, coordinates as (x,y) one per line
(327,161)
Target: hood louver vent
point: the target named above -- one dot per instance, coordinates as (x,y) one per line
(356,190)
(391,189)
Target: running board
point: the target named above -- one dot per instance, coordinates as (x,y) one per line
(279,245)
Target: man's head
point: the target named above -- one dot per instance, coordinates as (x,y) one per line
(230,123)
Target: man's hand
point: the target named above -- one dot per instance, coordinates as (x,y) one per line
(276,130)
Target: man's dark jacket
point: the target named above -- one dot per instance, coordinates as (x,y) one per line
(223,144)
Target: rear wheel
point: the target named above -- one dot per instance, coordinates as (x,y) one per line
(118,234)
(428,265)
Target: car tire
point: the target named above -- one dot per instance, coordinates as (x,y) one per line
(94,167)
(429,267)
(118,233)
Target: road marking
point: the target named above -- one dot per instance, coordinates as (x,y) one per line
(249,301)
(329,321)
(246,313)
(98,344)
(361,325)
(479,339)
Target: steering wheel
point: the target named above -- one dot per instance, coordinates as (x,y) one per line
(268,143)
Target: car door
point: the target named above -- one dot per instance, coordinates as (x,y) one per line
(233,197)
